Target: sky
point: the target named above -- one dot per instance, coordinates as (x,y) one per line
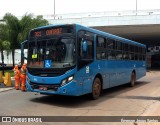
(46,7)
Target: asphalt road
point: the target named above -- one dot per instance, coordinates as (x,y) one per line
(141,100)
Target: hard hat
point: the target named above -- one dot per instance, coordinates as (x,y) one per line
(15,67)
(24,64)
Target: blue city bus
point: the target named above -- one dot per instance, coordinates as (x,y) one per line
(75,60)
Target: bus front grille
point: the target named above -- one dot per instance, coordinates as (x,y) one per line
(47,87)
(48,72)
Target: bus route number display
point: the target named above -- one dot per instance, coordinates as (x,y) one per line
(48,32)
(54,31)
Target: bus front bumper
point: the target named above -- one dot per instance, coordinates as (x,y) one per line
(72,88)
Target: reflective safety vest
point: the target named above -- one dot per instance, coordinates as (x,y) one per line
(23,70)
(16,72)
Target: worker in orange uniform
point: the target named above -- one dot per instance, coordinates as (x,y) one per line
(16,77)
(23,77)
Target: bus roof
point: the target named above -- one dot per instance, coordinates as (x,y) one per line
(105,34)
(101,33)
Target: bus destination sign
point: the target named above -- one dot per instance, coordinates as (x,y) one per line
(51,31)
(48,32)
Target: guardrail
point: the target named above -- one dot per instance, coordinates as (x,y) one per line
(102,14)
(98,14)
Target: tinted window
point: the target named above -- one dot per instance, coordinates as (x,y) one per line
(110,44)
(101,42)
(111,54)
(119,45)
(126,47)
(101,48)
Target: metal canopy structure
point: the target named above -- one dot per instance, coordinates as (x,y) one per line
(146,34)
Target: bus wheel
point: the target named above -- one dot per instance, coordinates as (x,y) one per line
(133,79)
(96,88)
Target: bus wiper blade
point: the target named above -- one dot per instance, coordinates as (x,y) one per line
(67,65)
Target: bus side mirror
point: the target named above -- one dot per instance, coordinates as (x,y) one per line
(84,46)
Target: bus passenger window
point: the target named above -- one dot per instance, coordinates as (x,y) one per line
(125,55)
(136,57)
(110,44)
(101,42)
(144,57)
(98,55)
(111,54)
(101,48)
(136,49)
(89,54)
(119,45)
(132,56)
(103,55)
(126,47)
(119,55)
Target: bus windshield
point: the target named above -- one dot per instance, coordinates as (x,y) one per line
(56,52)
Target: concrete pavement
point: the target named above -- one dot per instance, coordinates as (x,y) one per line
(141,100)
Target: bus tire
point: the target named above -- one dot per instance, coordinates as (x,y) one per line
(96,88)
(133,79)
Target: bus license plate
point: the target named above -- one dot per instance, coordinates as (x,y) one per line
(42,88)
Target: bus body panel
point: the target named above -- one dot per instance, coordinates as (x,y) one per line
(71,88)
(119,72)
(113,72)
(51,80)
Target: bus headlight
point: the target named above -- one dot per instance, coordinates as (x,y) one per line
(70,78)
(65,81)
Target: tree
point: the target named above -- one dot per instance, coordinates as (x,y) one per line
(25,26)
(4,45)
(27,23)
(12,31)
(16,31)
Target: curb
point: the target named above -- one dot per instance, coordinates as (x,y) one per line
(6,89)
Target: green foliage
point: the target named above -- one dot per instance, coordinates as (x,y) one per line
(14,31)
(10,71)
(27,23)
(3,32)
(6,45)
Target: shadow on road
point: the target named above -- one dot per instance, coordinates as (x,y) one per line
(140,97)
(115,91)
(85,101)
(112,93)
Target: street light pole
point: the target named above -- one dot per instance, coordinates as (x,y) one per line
(136,7)
(2,62)
(2,55)
(54,9)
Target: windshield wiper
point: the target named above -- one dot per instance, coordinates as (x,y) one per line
(66,65)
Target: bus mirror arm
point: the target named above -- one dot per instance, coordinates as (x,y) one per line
(22,51)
